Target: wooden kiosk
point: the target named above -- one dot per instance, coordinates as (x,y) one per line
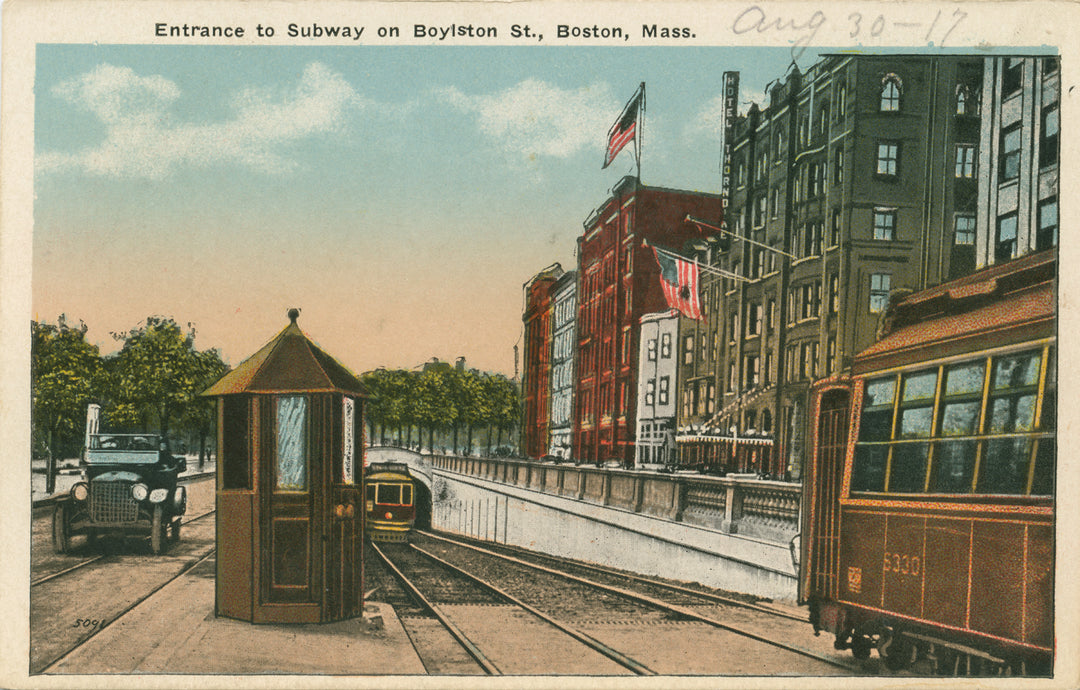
(289,509)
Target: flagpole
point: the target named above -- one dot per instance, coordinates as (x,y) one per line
(702,223)
(703,267)
(640,138)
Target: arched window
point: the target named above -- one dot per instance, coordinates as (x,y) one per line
(961,99)
(890,93)
(841,102)
(823,121)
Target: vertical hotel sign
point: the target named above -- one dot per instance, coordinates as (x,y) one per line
(348,453)
(731,105)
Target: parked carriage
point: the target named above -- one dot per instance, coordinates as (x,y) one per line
(929,493)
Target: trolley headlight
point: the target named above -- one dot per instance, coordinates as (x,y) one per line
(80,491)
(158,495)
(389,516)
(139,492)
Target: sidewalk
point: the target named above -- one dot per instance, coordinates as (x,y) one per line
(175,631)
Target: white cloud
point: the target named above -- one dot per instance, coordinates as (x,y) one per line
(143,140)
(709,119)
(535,118)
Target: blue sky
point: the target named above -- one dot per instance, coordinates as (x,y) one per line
(399,195)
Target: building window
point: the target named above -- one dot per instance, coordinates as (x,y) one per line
(665,387)
(961,100)
(665,345)
(733,327)
(890,94)
(964,229)
(688,349)
(759,211)
(1010,153)
(1046,236)
(650,392)
(804,362)
(753,319)
(731,377)
(965,160)
(880,284)
(888,158)
(752,366)
(775,202)
(830,356)
(711,407)
(1005,247)
(834,228)
(779,145)
(742,172)
(841,101)
(768,372)
(838,166)
(770,315)
(823,120)
(1048,144)
(1013,78)
(834,293)
(884,223)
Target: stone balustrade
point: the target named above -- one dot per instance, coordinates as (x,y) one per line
(736,504)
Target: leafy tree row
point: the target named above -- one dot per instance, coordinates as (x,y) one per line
(152,383)
(440,402)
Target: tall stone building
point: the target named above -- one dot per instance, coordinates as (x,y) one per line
(1018,158)
(848,186)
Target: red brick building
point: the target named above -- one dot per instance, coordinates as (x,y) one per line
(618,281)
(536,374)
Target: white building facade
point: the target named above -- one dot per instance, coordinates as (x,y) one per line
(1019,147)
(657,369)
(563,347)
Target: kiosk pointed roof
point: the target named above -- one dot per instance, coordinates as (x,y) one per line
(290,363)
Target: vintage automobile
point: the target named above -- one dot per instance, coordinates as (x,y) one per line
(128,488)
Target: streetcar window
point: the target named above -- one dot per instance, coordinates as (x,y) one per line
(389,494)
(958,434)
(371,492)
(1004,467)
(868,473)
(876,422)
(406,491)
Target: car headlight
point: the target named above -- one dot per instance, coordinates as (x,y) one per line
(158,495)
(81,491)
(139,492)
(180,500)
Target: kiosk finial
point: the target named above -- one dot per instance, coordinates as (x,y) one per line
(294,314)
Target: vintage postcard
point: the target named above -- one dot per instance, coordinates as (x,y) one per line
(537,344)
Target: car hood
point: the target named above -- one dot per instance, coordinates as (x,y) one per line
(118,476)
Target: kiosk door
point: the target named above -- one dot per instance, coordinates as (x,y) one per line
(289,551)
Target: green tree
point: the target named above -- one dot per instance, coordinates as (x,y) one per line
(435,408)
(198,417)
(66,375)
(157,375)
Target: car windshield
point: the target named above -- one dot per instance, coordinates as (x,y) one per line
(123,442)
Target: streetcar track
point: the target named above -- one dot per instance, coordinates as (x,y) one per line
(656,603)
(710,596)
(82,564)
(129,608)
(488,666)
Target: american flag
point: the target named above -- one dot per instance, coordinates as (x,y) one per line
(624,129)
(679,278)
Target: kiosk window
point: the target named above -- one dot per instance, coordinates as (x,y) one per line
(236,451)
(291,447)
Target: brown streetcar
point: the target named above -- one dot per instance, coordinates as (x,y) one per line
(929,528)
